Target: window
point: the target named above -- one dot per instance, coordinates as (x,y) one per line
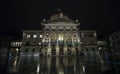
(113,38)
(74,29)
(27,43)
(28,36)
(56,26)
(33,50)
(93,49)
(80,35)
(34,36)
(86,49)
(117,37)
(49,27)
(71,27)
(40,50)
(41,36)
(90,35)
(39,43)
(26,50)
(81,42)
(34,43)
(74,35)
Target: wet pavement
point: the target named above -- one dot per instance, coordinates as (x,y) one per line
(61,65)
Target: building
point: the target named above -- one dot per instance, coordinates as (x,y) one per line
(114,42)
(31,42)
(15,46)
(103,47)
(88,42)
(60,36)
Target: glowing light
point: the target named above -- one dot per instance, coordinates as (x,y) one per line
(28,36)
(83,68)
(61,37)
(41,36)
(34,36)
(39,43)
(17,49)
(77,20)
(38,68)
(100,48)
(43,19)
(15,62)
(61,72)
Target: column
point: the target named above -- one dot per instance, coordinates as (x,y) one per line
(49,45)
(73,46)
(57,47)
(65,50)
(65,47)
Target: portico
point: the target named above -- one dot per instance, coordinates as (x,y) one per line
(61,33)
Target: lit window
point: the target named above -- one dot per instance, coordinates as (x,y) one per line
(28,36)
(39,43)
(40,36)
(34,36)
(17,49)
(100,48)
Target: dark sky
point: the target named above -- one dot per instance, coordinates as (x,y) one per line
(104,15)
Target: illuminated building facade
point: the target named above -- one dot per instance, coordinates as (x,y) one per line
(15,46)
(31,42)
(60,36)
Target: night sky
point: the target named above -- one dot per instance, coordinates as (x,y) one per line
(103,15)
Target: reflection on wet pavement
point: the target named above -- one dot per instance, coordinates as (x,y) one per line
(58,65)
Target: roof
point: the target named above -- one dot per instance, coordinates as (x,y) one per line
(59,17)
(60,20)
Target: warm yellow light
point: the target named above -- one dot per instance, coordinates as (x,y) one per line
(34,36)
(17,49)
(41,36)
(60,37)
(28,36)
